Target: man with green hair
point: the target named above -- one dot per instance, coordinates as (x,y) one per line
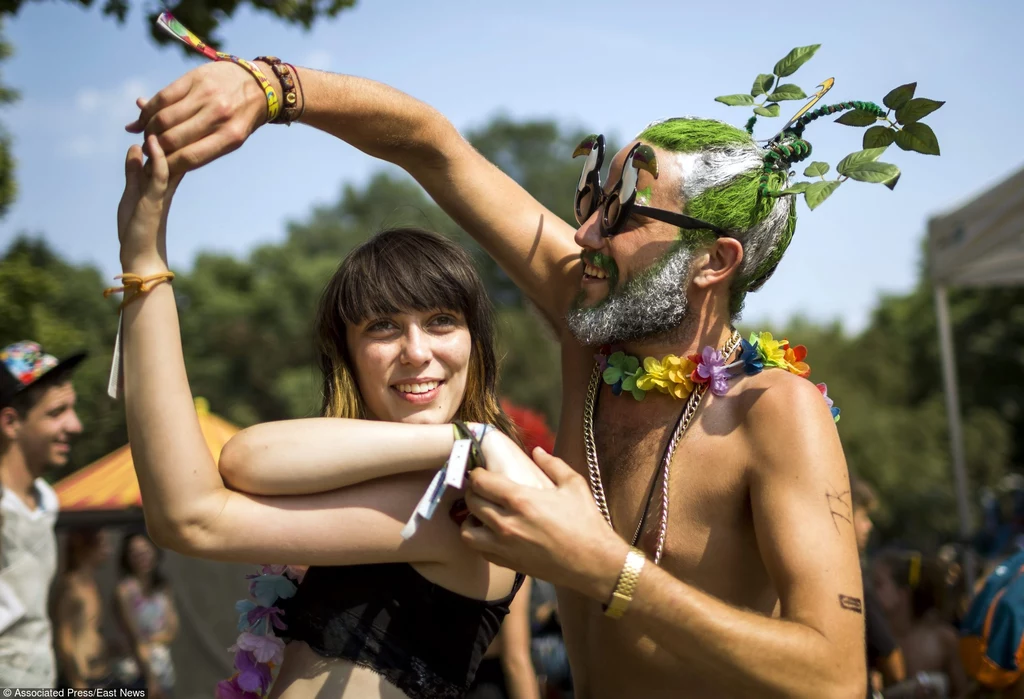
(722,561)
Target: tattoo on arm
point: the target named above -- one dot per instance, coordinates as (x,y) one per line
(852,604)
(839,505)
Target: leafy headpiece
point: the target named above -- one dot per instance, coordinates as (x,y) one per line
(899,122)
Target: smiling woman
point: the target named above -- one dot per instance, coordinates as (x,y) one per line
(406,310)
(404,337)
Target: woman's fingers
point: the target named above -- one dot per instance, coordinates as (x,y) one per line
(157,166)
(133,170)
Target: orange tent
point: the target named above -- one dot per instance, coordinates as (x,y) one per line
(109,484)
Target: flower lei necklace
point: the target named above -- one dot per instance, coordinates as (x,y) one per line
(259,650)
(678,376)
(686,378)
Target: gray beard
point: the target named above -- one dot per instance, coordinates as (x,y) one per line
(650,305)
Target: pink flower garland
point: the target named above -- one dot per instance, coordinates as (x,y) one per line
(258,650)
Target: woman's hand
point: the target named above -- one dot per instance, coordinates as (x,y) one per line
(142,212)
(504,457)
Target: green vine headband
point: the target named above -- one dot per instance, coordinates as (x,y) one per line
(902,117)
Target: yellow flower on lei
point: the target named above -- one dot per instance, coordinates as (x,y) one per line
(772,351)
(670,375)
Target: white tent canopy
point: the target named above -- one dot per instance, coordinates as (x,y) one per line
(979,244)
(982,242)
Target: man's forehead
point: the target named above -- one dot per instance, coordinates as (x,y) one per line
(58,395)
(668,172)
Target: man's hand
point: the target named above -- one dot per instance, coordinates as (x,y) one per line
(205,114)
(504,458)
(555,534)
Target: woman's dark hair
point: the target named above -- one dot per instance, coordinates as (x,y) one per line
(924,576)
(406,269)
(159,580)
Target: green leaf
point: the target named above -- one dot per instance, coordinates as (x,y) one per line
(918,137)
(819,192)
(899,96)
(769,110)
(873,172)
(879,137)
(916,109)
(788,91)
(794,59)
(868,155)
(797,188)
(891,184)
(816,169)
(762,84)
(857,117)
(612,375)
(736,100)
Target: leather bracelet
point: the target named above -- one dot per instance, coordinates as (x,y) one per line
(626,584)
(290,112)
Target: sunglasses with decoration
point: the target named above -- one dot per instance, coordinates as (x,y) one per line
(620,203)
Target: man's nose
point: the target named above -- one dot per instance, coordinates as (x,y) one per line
(589,234)
(74,425)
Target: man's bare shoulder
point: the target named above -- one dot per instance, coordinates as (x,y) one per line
(785,417)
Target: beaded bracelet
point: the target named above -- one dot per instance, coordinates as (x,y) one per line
(291,100)
(298,83)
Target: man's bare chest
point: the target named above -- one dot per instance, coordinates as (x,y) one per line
(630,455)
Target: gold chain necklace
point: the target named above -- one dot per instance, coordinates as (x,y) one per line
(594,470)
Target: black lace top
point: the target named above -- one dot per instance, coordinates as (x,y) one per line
(422,638)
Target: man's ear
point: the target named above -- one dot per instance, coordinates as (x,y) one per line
(723,260)
(10,423)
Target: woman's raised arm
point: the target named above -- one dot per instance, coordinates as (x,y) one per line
(187,506)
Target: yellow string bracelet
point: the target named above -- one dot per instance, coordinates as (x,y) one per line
(136,285)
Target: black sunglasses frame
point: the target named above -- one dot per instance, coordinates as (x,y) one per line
(591,184)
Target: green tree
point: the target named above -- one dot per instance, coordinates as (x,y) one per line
(204,17)
(8,188)
(61,306)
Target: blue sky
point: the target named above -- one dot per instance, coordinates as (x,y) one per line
(608,67)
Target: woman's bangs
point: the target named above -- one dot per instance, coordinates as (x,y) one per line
(402,278)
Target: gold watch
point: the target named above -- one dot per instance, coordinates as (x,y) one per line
(626,585)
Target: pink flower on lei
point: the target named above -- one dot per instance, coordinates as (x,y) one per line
(711,369)
(266,649)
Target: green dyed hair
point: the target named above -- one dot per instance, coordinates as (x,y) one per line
(721,172)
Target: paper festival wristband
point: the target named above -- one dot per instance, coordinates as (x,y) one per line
(176,29)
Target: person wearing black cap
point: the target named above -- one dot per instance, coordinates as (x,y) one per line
(37,422)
